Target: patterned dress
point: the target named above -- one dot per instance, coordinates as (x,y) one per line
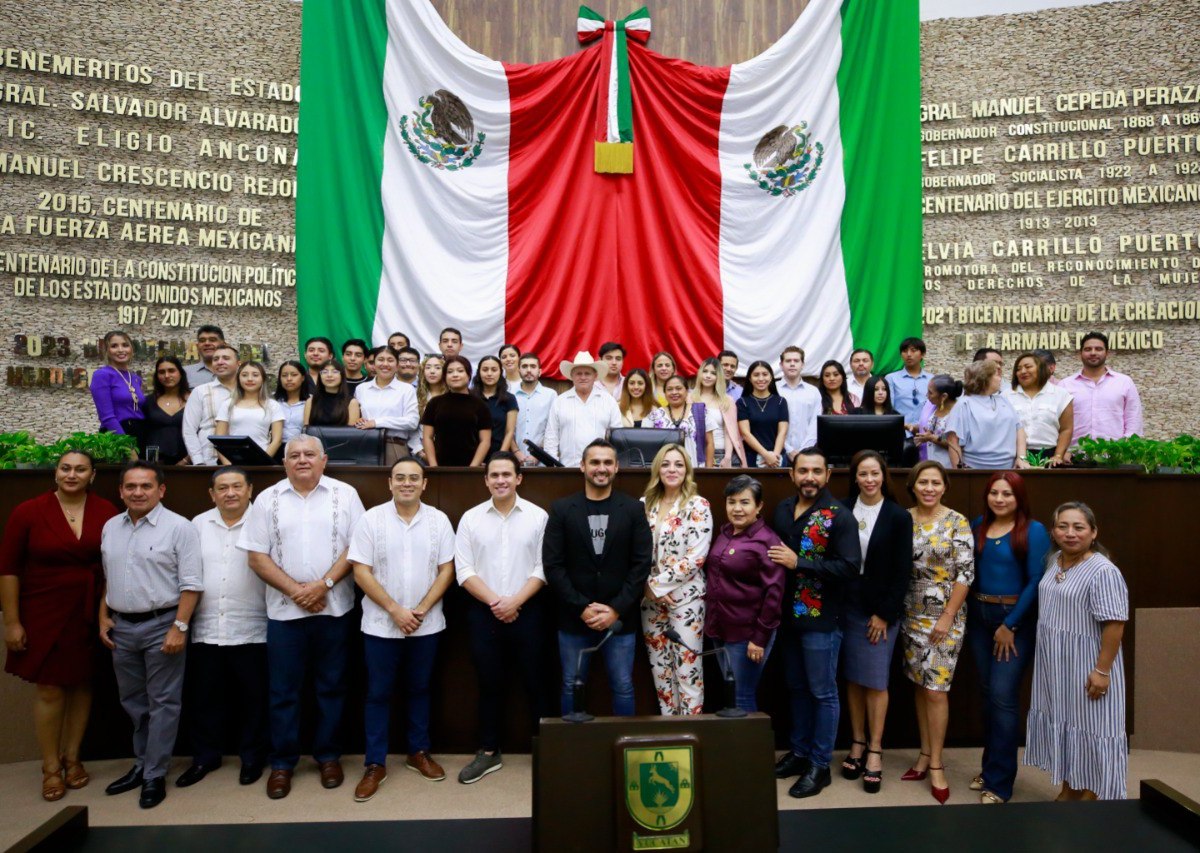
(681,540)
(943,555)
(1076,739)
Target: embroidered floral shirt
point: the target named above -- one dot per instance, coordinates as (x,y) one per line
(825,539)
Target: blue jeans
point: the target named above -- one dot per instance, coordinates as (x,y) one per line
(1001,684)
(746,673)
(386,657)
(618,660)
(810,661)
(321,643)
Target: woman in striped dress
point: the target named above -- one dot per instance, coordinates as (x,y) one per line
(1077,715)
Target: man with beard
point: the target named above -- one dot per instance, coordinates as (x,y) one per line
(1107,404)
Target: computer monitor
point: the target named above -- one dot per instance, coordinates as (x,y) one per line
(841,436)
(636,446)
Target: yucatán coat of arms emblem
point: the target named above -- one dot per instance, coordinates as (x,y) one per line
(659,784)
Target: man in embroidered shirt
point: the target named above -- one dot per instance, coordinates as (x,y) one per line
(498,558)
(297,533)
(227,661)
(533,406)
(206,403)
(580,415)
(820,555)
(804,402)
(403,557)
(1107,404)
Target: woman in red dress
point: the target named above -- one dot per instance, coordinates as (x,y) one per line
(50,576)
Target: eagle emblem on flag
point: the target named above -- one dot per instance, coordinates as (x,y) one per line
(441,133)
(786,160)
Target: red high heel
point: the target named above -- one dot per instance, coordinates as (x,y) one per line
(914,775)
(939,794)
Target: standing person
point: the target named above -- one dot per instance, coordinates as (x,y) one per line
(408,361)
(910,383)
(206,402)
(1010,553)
(498,560)
(318,352)
(637,400)
(681,526)
(983,430)
(208,338)
(862,363)
(163,412)
(877,398)
(691,419)
(990,354)
(251,412)
(821,556)
(612,354)
(930,438)
(297,534)
(803,401)
(1051,363)
(596,555)
(354,356)
(1076,726)
(403,557)
(456,427)
(510,360)
(874,605)
(835,399)
(934,618)
(227,661)
(398,341)
(154,580)
(386,402)
(534,401)
(490,386)
(763,419)
(332,401)
(432,382)
(744,588)
(720,414)
(50,575)
(579,415)
(116,388)
(1046,411)
(291,392)
(729,366)
(450,343)
(662,368)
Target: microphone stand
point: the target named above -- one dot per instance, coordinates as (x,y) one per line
(579,715)
(731,709)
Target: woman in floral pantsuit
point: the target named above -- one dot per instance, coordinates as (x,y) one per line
(681,524)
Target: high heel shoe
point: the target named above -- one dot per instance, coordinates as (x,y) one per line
(872,779)
(912,774)
(939,794)
(852,767)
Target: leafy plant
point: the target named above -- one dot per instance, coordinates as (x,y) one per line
(1182,453)
(9,442)
(20,448)
(1034,460)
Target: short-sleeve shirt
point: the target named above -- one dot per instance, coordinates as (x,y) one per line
(499,410)
(456,420)
(1039,414)
(986,427)
(764,416)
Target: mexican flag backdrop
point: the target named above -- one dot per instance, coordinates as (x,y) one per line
(773,202)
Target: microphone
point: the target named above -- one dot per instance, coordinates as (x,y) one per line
(579,715)
(723,663)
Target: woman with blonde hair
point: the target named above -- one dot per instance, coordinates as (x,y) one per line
(252,412)
(662,368)
(432,381)
(983,430)
(681,528)
(637,400)
(116,388)
(721,414)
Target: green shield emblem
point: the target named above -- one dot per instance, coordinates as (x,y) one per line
(658,785)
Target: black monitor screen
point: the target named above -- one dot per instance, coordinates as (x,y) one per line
(636,447)
(841,436)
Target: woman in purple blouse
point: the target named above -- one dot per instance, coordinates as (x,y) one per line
(116,389)
(744,597)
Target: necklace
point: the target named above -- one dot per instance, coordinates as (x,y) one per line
(68,513)
(127,378)
(1061,574)
(866,512)
(762,406)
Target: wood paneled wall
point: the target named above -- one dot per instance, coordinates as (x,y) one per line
(707,32)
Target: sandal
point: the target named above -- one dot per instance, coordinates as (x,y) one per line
(873,779)
(75,776)
(53,789)
(912,774)
(852,767)
(977,783)
(987,798)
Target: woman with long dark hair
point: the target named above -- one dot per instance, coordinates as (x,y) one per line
(456,428)
(877,398)
(763,418)
(835,398)
(491,386)
(162,425)
(691,419)
(637,399)
(291,392)
(332,402)
(1046,410)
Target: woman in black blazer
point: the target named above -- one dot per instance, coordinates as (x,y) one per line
(874,605)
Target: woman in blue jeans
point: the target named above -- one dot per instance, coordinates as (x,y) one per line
(1010,551)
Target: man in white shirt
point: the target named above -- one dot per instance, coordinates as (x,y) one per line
(297,534)
(403,557)
(227,660)
(498,558)
(804,402)
(533,406)
(206,403)
(579,416)
(862,362)
(611,380)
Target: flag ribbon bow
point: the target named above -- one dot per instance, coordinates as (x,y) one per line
(614,115)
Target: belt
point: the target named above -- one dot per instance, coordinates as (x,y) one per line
(995,599)
(144,617)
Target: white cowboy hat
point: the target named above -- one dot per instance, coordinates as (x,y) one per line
(583,358)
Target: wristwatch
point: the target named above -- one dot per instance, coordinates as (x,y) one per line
(328,582)
(182,626)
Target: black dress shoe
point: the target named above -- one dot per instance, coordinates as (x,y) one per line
(250,774)
(154,791)
(791,765)
(811,783)
(194,774)
(131,780)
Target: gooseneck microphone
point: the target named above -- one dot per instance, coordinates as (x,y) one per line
(731,709)
(579,715)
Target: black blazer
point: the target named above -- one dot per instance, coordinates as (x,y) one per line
(578,576)
(888,563)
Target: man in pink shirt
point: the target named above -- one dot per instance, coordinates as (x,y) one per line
(1107,404)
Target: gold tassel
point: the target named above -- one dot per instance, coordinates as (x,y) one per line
(614,158)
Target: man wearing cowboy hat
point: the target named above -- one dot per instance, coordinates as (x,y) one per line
(579,416)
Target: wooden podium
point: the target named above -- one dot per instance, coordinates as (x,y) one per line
(655,783)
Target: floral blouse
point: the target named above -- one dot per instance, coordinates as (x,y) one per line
(681,542)
(661,419)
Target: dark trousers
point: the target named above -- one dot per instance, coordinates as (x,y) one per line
(810,662)
(319,644)
(386,658)
(1001,685)
(496,649)
(224,682)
